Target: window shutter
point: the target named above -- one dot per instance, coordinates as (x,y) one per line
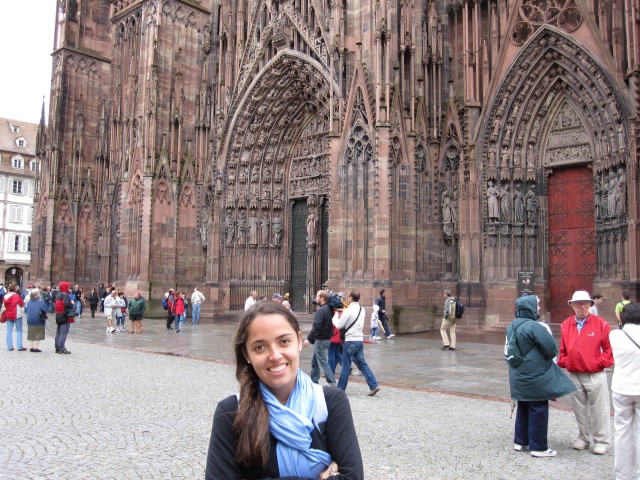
(19,214)
(3,184)
(12,242)
(24,243)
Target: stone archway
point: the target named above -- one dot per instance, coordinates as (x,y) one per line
(276,153)
(555,108)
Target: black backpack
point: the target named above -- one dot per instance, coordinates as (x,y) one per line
(459,309)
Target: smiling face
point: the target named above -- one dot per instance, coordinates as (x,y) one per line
(273,349)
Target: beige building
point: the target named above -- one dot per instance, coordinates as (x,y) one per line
(18,167)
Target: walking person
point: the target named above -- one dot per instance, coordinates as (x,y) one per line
(625,388)
(170,300)
(110,309)
(64,317)
(281,424)
(36,311)
(382,314)
(320,337)
(137,306)
(448,328)
(373,336)
(352,319)
(620,305)
(94,299)
(45,295)
(536,380)
(197,298)
(585,352)
(12,303)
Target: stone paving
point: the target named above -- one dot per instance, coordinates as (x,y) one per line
(140,406)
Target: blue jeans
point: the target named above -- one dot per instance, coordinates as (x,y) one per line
(385,324)
(195,313)
(335,356)
(355,351)
(78,306)
(18,325)
(61,336)
(320,361)
(120,320)
(532,422)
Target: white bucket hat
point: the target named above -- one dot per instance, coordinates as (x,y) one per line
(580,296)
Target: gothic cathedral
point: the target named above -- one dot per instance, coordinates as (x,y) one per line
(285,145)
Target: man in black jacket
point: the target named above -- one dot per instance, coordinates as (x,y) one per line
(320,337)
(382,314)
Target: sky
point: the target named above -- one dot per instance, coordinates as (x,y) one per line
(26,44)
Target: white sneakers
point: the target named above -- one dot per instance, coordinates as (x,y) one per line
(519,448)
(547,453)
(580,444)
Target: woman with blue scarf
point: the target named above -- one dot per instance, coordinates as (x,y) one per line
(281,425)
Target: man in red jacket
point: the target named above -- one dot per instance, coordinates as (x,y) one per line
(585,352)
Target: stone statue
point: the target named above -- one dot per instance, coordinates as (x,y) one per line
(264,229)
(446,206)
(621,192)
(518,205)
(492,203)
(492,157)
(505,204)
(204,228)
(621,143)
(229,227)
(311,228)
(242,227)
(611,195)
(253,228)
(597,200)
(532,206)
(454,205)
(277,230)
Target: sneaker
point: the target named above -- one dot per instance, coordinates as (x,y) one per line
(108,330)
(373,392)
(391,336)
(519,448)
(445,347)
(600,449)
(22,349)
(378,338)
(177,330)
(547,453)
(580,444)
(112,330)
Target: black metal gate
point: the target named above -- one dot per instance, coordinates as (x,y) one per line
(299,290)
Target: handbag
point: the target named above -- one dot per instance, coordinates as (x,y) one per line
(3,317)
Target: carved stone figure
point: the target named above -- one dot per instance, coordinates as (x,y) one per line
(264,229)
(204,228)
(242,227)
(518,205)
(446,206)
(532,206)
(505,204)
(621,193)
(611,195)
(505,158)
(277,230)
(253,228)
(621,142)
(311,228)
(492,203)
(492,157)
(229,227)
(454,205)
(597,200)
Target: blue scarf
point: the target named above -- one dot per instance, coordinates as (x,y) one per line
(291,425)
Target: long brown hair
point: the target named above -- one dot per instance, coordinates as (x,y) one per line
(251,424)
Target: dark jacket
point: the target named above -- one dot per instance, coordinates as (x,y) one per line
(94,299)
(537,378)
(64,305)
(322,328)
(381,302)
(137,306)
(339,440)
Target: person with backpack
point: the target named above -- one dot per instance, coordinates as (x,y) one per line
(64,317)
(167,304)
(11,304)
(534,378)
(619,306)
(448,327)
(177,309)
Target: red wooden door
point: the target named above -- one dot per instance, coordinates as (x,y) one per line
(572,237)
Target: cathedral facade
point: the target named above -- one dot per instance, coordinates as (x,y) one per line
(283,145)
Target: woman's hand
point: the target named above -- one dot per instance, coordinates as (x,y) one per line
(330,472)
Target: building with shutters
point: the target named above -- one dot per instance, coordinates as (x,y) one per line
(281,145)
(18,167)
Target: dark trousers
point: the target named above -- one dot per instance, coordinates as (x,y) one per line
(61,336)
(169,318)
(532,422)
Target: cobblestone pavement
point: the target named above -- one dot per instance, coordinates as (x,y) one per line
(140,406)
